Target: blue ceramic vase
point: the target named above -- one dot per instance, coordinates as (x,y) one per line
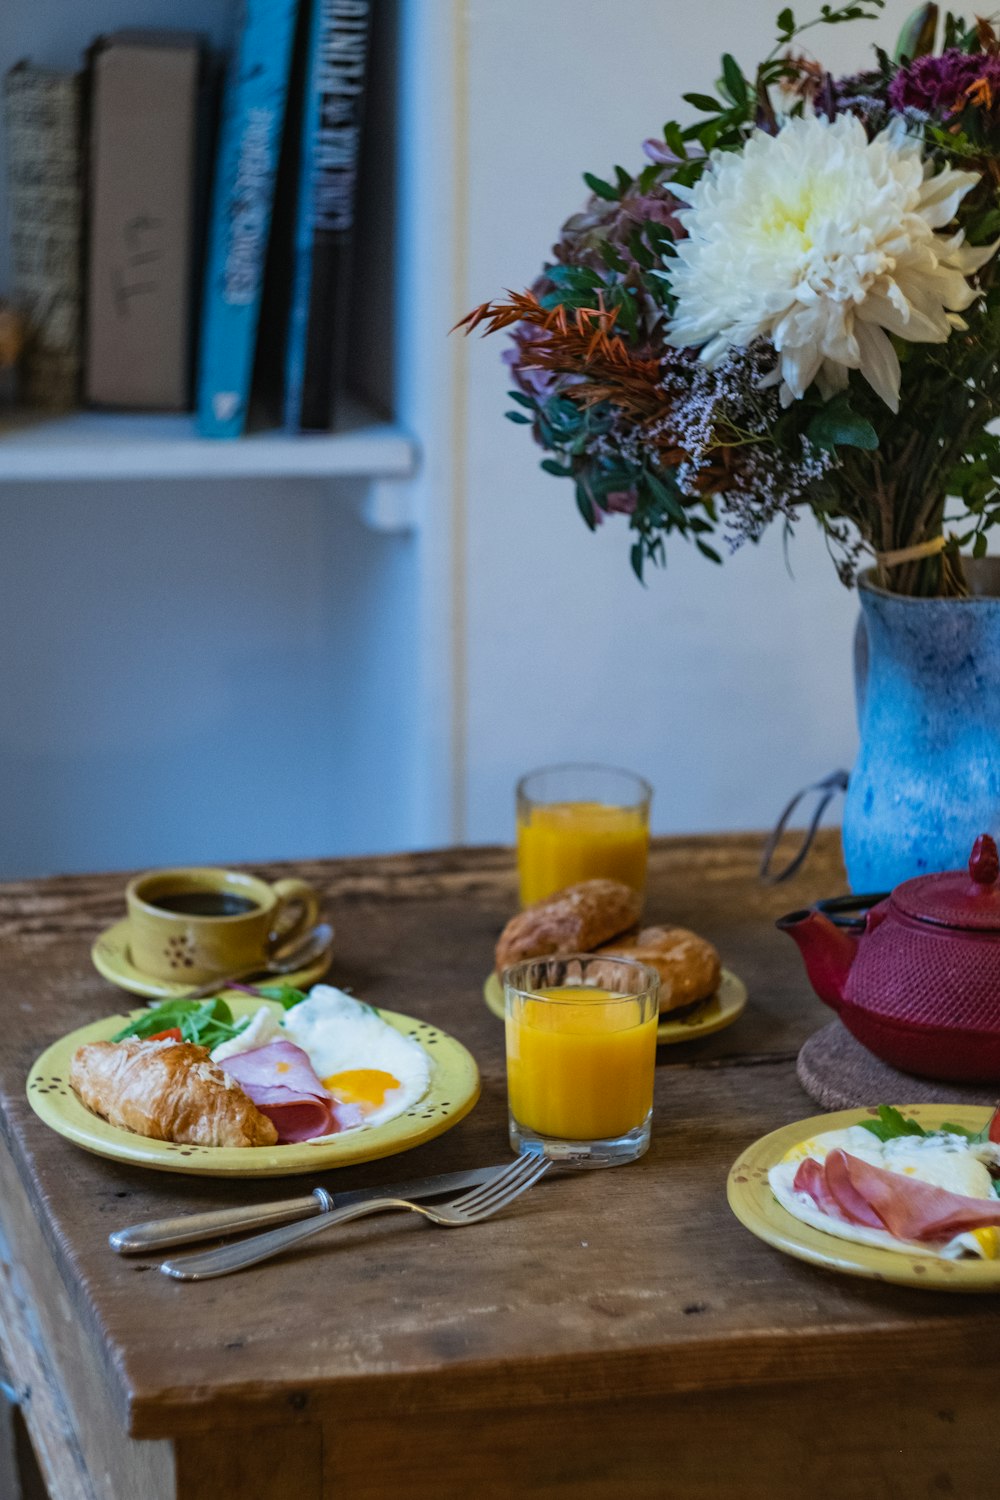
(927,778)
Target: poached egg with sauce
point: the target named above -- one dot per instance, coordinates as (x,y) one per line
(942,1159)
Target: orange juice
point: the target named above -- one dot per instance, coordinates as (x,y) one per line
(582,1069)
(559,843)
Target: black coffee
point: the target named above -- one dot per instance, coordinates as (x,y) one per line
(205,904)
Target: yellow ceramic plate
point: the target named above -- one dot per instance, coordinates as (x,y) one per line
(753,1203)
(112,958)
(714,1014)
(453,1091)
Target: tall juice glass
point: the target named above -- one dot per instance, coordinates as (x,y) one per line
(581,1057)
(578,822)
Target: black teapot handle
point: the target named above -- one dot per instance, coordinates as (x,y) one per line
(850,912)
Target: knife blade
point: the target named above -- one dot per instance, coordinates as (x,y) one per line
(188,1229)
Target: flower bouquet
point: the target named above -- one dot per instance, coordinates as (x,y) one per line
(793,307)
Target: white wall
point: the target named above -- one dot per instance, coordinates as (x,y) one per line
(199,673)
(727,687)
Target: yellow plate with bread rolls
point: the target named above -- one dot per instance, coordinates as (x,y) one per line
(697,995)
(714,1014)
(453,1090)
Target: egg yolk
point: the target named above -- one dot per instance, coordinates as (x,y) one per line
(365,1087)
(989,1242)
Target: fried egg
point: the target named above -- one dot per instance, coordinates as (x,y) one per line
(944,1160)
(359,1058)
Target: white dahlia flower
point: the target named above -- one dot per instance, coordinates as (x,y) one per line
(824,243)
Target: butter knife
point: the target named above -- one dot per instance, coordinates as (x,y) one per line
(187,1229)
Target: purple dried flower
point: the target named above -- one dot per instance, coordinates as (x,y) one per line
(620,502)
(944,85)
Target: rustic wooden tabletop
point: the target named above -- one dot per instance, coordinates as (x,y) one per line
(615,1334)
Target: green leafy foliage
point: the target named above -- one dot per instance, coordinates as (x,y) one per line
(837,424)
(601,188)
(883,476)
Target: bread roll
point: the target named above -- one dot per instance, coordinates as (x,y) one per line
(687,964)
(169,1091)
(575,920)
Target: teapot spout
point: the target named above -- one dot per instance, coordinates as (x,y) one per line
(827,952)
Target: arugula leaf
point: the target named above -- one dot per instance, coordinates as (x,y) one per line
(891,1124)
(204,1022)
(286,995)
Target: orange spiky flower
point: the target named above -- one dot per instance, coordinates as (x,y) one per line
(581,341)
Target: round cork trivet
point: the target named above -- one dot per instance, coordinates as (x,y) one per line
(836,1071)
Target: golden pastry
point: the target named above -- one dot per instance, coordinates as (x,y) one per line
(575,920)
(687,964)
(169,1091)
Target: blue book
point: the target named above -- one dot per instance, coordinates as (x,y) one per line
(256,97)
(331,133)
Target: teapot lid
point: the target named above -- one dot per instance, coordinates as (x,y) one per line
(953,899)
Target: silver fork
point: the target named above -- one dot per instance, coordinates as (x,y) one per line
(469,1208)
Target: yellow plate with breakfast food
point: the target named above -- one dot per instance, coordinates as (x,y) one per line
(701,1019)
(697,995)
(246,1087)
(112,958)
(906,1194)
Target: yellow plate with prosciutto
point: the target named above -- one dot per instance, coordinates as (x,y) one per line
(759,1176)
(452,1091)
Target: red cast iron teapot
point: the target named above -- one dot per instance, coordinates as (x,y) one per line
(917,977)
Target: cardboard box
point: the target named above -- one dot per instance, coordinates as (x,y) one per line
(143,177)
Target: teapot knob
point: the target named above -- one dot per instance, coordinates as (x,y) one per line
(984,862)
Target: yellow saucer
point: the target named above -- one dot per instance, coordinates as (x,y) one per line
(454,1089)
(753,1203)
(714,1014)
(111,957)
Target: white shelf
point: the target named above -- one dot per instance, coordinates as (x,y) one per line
(115,445)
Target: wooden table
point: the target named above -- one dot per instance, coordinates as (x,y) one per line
(617,1334)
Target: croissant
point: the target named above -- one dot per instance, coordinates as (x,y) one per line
(169,1091)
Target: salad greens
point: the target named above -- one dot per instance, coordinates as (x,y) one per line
(286,995)
(890,1124)
(205,1022)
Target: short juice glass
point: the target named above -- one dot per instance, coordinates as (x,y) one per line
(577,823)
(581,1057)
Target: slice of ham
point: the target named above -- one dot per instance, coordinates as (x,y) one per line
(811,1179)
(279,1078)
(859,1193)
(850,1199)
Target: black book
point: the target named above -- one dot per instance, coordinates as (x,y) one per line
(330,151)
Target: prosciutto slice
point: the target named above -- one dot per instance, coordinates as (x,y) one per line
(279,1078)
(859,1193)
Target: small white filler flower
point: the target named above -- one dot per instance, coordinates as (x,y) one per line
(824,243)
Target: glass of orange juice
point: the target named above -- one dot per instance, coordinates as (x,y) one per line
(581,1057)
(578,822)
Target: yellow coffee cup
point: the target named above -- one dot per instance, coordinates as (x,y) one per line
(190,925)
